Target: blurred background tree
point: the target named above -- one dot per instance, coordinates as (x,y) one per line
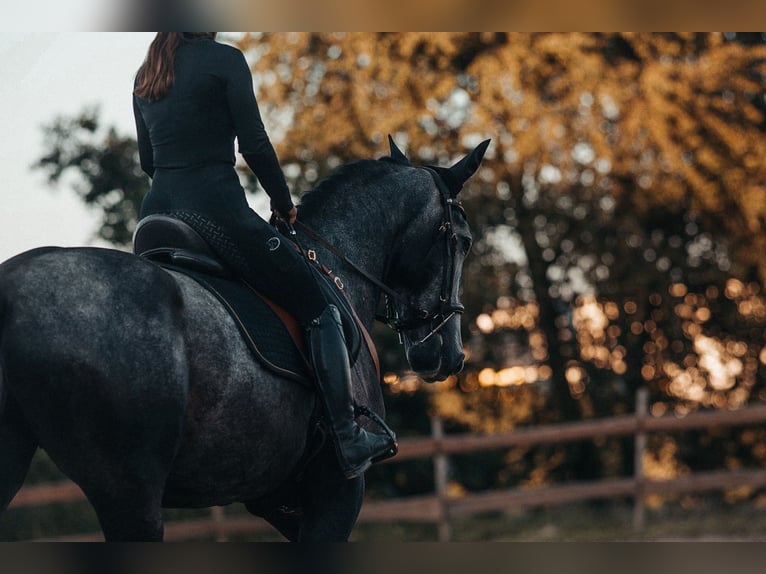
(620,209)
(101,166)
(618,218)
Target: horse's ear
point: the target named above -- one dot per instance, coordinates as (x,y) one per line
(459,173)
(467,166)
(396,153)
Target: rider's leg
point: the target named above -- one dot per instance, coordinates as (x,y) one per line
(355,447)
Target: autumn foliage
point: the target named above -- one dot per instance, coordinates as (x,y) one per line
(619,211)
(670,121)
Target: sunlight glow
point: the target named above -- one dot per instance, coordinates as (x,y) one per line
(696,369)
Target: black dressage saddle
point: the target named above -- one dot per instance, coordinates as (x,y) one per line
(273,335)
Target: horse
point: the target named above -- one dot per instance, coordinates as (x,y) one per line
(137,383)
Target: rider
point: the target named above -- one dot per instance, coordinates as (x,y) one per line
(192,96)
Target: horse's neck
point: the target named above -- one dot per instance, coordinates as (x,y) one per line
(365,234)
(368,251)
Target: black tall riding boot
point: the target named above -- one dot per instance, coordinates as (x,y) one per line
(356,447)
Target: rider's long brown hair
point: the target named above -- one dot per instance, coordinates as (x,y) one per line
(156,75)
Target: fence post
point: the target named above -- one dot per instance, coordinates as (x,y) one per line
(440,480)
(639,506)
(217,515)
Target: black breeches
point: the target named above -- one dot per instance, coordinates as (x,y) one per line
(265,259)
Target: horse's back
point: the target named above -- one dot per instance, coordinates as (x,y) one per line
(77,282)
(87,305)
(91,346)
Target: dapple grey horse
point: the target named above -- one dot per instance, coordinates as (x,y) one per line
(139,386)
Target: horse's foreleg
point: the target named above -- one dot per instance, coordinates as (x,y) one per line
(286,523)
(125,489)
(331,504)
(123,473)
(129,517)
(17,446)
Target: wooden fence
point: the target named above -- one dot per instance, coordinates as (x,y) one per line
(439,508)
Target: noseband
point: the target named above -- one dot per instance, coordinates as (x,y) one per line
(449,303)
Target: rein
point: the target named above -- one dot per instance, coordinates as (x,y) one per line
(449,304)
(338,253)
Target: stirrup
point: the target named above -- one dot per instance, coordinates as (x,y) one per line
(366,412)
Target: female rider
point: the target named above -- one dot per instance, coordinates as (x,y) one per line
(192,97)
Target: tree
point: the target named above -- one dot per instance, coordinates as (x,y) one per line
(627,167)
(104,169)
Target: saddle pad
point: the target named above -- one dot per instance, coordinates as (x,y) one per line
(260,323)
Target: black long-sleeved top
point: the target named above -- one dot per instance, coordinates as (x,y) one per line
(190,132)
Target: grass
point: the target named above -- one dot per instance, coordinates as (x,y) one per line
(607,522)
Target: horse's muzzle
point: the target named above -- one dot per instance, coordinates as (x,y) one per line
(452,368)
(433,362)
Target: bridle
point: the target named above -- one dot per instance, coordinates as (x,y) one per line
(449,303)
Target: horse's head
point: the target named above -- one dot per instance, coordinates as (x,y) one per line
(427,270)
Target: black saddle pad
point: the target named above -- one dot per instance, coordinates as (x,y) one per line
(262,328)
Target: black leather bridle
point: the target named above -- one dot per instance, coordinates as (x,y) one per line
(449,296)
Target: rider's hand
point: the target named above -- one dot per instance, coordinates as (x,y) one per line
(289,217)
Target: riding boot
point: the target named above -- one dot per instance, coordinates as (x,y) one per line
(356,448)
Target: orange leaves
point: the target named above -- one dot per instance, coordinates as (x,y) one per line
(668,120)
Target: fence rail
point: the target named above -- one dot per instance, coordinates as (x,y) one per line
(439,507)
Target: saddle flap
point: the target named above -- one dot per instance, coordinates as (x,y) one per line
(198,262)
(271,334)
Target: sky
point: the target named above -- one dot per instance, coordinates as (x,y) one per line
(44,75)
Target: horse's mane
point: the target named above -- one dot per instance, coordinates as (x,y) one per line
(346,179)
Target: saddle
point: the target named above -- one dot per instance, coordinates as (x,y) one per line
(273,335)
